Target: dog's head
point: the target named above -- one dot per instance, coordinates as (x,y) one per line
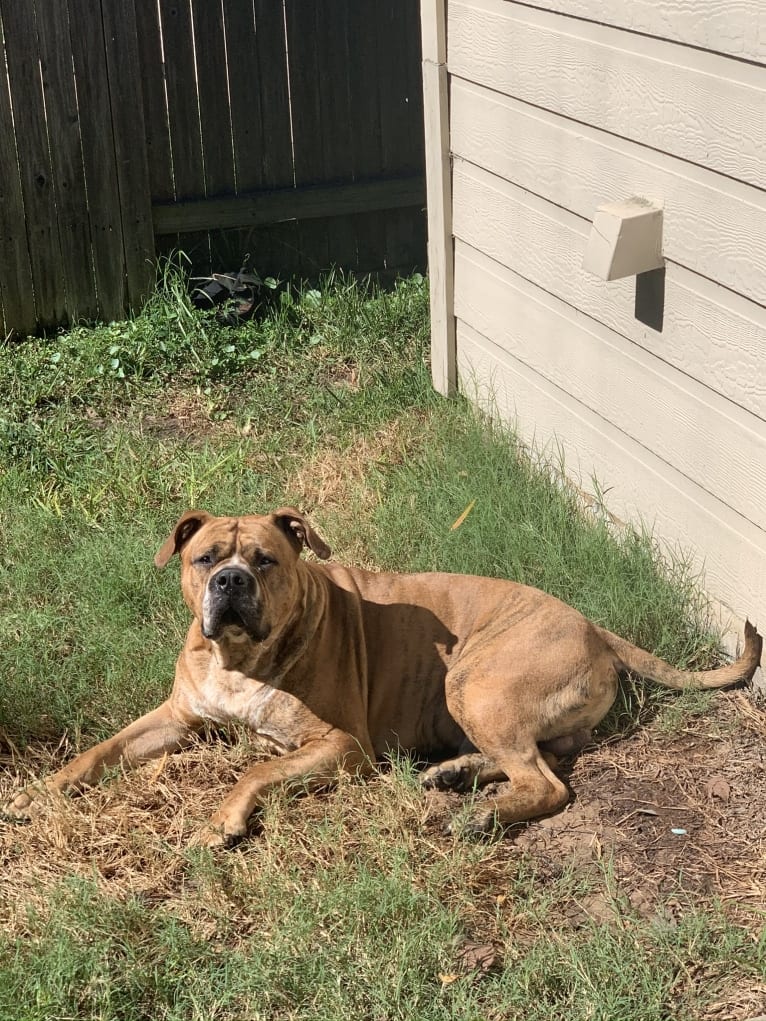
(239,575)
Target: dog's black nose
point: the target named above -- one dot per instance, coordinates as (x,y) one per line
(231,580)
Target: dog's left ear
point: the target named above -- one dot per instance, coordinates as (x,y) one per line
(185,527)
(299,532)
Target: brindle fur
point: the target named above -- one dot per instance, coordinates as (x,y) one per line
(333,666)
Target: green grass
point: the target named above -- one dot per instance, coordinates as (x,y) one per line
(350,908)
(527,525)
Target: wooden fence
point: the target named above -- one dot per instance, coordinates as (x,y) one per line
(289,130)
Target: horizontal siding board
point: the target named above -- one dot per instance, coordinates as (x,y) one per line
(712,225)
(708,333)
(708,440)
(700,106)
(734,27)
(640,486)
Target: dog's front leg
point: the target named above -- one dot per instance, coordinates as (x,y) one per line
(315,764)
(150,736)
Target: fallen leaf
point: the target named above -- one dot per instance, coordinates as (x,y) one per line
(459,521)
(447,980)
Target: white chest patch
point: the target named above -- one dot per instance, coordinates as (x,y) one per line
(227,696)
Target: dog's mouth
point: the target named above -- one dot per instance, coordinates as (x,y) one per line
(231,621)
(230,618)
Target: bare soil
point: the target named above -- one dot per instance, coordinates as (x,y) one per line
(678,814)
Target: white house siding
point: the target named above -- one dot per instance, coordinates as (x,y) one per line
(556,108)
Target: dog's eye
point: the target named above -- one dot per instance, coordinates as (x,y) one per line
(263,562)
(205,560)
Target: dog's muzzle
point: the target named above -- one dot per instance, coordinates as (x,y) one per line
(232,601)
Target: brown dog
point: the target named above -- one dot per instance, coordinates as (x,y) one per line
(332,666)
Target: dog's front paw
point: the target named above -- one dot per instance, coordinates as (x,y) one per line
(447,777)
(218,835)
(25,806)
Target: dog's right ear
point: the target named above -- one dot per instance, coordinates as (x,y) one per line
(185,527)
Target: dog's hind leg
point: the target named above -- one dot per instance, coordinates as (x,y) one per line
(535,790)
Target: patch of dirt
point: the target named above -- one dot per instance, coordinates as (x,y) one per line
(680,814)
(677,818)
(185,416)
(342,374)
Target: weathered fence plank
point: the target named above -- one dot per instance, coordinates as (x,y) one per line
(337,111)
(45,256)
(156,123)
(398,38)
(103,194)
(276,145)
(180,76)
(215,116)
(66,153)
(318,115)
(130,148)
(183,114)
(16,291)
(364,85)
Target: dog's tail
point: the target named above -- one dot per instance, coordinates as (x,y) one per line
(656,669)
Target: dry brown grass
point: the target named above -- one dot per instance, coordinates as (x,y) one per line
(130,833)
(337,488)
